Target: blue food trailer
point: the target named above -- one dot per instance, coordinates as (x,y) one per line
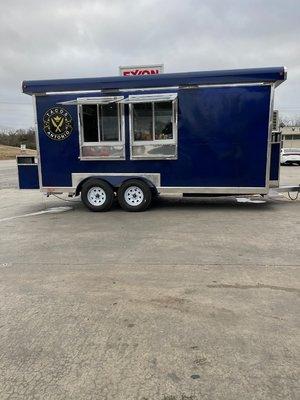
(196,133)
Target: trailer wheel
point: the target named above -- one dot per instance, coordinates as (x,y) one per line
(97,195)
(134,195)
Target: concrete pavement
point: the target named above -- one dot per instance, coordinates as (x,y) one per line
(194,299)
(8,174)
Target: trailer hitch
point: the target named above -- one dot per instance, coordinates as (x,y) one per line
(288,190)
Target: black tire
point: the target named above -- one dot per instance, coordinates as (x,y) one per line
(140,189)
(104,187)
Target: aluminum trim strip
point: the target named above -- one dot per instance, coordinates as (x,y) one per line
(36,129)
(93,100)
(269,142)
(149,98)
(102,158)
(213,190)
(168,190)
(78,177)
(27,165)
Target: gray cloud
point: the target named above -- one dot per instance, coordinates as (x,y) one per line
(55,39)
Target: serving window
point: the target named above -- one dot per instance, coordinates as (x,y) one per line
(101,125)
(153,126)
(102,128)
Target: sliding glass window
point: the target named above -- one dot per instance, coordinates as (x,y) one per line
(152,121)
(102,128)
(153,126)
(101,122)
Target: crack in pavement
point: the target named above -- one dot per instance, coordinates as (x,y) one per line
(257,286)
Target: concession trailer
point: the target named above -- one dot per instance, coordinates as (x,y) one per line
(134,137)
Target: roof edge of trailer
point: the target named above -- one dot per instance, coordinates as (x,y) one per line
(274,75)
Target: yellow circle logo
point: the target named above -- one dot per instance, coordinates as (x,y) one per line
(57,123)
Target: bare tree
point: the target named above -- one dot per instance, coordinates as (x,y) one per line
(17,137)
(289,121)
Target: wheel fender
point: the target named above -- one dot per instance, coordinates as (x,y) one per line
(81,183)
(116,182)
(141,178)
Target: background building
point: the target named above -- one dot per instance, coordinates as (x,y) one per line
(290,136)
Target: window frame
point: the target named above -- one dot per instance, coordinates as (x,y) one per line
(99,102)
(157,98)
(121,126)
(154,141)
(152,102)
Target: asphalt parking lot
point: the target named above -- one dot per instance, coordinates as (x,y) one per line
(193,299)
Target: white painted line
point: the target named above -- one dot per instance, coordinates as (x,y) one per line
(52,210)
(246,200)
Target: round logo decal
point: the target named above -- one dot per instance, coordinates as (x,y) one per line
(57,123)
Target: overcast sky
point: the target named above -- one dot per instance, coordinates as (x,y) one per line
(43,39)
